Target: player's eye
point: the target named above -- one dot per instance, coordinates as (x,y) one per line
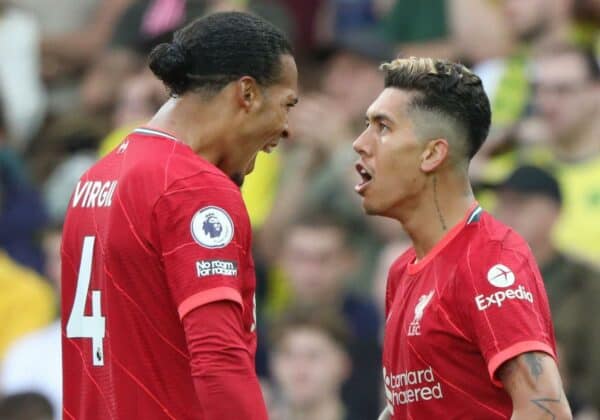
(289,105)
(383,129)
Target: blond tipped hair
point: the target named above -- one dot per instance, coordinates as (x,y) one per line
(450,98)
(414,66)
(411,65)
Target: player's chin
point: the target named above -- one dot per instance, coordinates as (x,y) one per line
(369,207)
(374,206)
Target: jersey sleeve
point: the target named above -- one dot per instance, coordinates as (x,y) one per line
(221,364)
(504,305)
(203,234)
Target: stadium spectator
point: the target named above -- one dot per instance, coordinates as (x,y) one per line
(305,14)
(472,30)
(142,25)
(27,302)
(102,83)
(139,98)
(33,362)
(310,362)
(318,174)
(25,406)
(69,150)
(529,200)
(20,78)
(537,26)
(316,260)
(479,29)
(566,130)
(420,28)
(73,35)
(22,213)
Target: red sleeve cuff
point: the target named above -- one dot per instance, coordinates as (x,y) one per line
(508,353)
(208,296)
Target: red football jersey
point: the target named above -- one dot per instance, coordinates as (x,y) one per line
(152,232)
(475,301)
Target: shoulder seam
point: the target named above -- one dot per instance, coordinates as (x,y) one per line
(502,241)
(202,171)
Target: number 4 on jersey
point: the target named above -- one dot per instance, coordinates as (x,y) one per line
(79,325)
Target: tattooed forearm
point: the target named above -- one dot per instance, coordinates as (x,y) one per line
(437,203)
(543,403)
(533,383)
(535,365)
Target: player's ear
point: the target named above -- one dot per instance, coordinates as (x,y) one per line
(435,153)
(248,93)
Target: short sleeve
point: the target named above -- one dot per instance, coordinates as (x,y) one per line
(503,301)
(203,232)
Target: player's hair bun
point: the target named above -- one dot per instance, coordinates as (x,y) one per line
(168,62)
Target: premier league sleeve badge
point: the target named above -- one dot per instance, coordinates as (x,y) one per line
(212,227)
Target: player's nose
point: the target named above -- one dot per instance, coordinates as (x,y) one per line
(360,145)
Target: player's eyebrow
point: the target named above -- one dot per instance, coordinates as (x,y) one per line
(378,117)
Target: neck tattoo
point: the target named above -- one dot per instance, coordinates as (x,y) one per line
(437,203)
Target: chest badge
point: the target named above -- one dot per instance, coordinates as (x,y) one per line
(415,326)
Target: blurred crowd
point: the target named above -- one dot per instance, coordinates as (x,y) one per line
(74,82)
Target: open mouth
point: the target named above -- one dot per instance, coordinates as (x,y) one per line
(365,175)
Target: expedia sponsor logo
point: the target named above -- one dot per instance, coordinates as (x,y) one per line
(501,276)
(206,268)
(484,302)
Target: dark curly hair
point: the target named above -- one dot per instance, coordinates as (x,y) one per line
(217,49)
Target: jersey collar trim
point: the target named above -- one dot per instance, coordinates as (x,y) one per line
(153,132)
(472,215)
(475,214)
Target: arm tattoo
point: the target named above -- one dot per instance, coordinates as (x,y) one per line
(530,369)
(535,367)
(437,203)
(542,404)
